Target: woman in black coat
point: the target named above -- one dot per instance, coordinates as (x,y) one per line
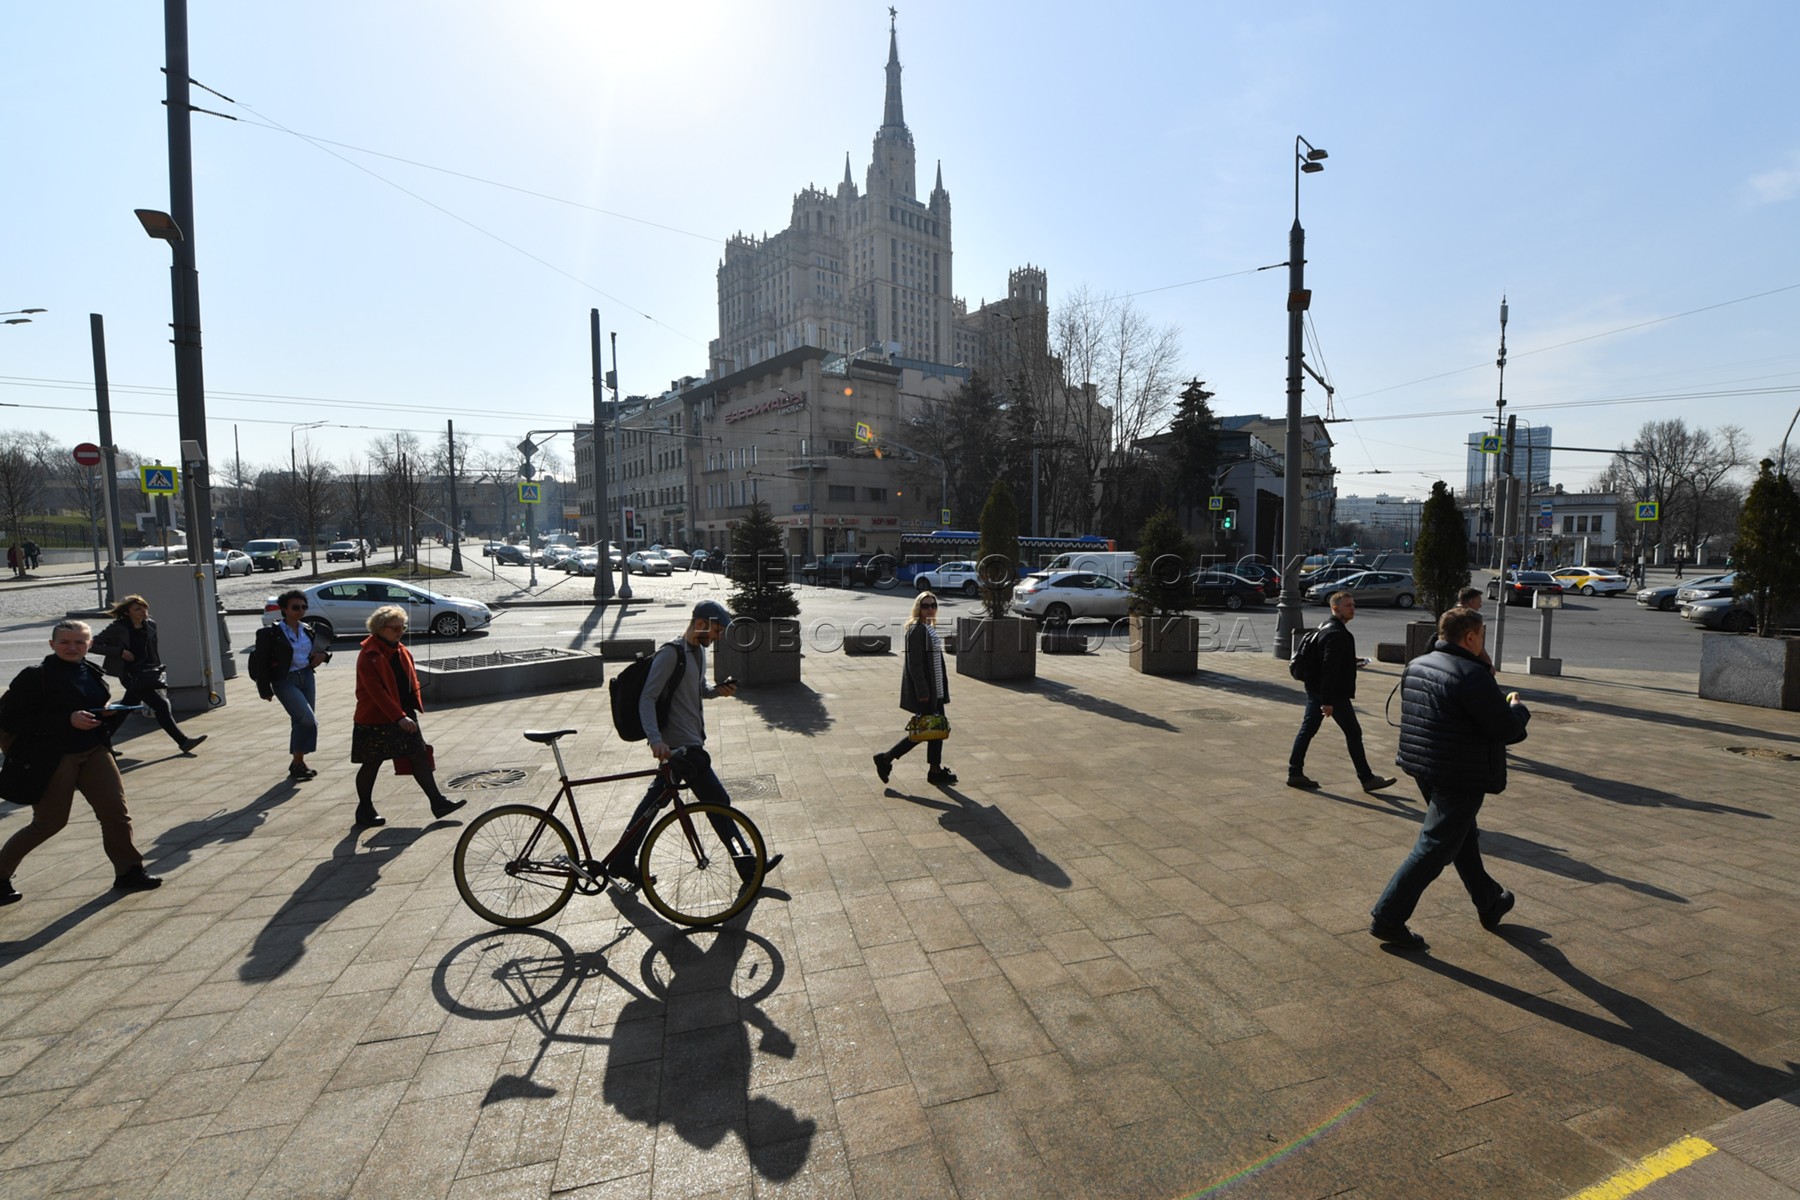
(129,654)
(924,689)
(57,741)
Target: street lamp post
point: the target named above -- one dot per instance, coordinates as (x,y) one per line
(20,316)
(1292,483)
(603,580)
(619,445)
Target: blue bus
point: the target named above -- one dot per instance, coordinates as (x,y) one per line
(920,551)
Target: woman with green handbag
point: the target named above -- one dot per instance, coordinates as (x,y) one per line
(924,690)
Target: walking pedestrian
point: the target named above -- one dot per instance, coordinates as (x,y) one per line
(924,689)
(13,562)
(1454,729)
(1329,693)
(56,744)
(676,730)
(282,663)
(129,653)
(386,723)
(32,553)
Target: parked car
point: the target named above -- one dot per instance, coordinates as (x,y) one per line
(1663,598)
(681,560)
(511,555)
(585,561)
(1214,588)
(157,554)
(648,562)
(1329,574)
(345,605)
(1521,586)
(1591,581)
(1116,564)
(274,554)
(350,551)
(837,570)
(552,554)
(1369,587)
(1708,590)
(1258,572)
(1061,596)
(227,563)
(958,576)
(1729,613)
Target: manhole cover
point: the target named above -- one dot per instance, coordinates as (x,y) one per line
(1764,753)
(487,781)
(753,787)
(1211,714)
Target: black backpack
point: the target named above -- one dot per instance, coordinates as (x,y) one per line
(1308,657)
(627,688)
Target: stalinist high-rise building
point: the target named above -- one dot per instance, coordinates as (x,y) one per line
(853,268)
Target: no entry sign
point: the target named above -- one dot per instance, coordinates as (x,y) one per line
(87,454)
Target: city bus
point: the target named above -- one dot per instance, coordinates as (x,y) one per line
(919,551)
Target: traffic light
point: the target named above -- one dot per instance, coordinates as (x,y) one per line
(1230,519)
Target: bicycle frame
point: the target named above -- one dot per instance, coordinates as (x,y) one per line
(671,792)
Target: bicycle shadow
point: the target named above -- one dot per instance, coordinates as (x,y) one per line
(333,886)
(680,1050)
(991,831)
(1639,1026)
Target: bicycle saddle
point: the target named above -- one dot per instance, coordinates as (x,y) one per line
(545,736)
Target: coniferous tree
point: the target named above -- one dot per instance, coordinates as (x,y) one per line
(1441,551)
(997,554)
(1768,571)
(758,568)
(1160,585)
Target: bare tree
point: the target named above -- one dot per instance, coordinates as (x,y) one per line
(1687,472)
(309,493)
(24,481)
(356,495)
(399,467)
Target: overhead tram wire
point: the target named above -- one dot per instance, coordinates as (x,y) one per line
(432,410)
(1551,405)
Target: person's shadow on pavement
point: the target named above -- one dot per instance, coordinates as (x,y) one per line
(334,885)
(1640,1027)
(991,831)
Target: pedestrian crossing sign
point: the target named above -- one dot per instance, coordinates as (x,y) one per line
(530,493)
(1646,510)
(1215,503)
(863,432)
(1490,443)
(157,481)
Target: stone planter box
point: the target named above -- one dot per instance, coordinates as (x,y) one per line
(1165,645)
(509,673)
(626,649)
(1741,668)
(868,643)
(1421,636)
(759,653)
(1390,652)
(996,649)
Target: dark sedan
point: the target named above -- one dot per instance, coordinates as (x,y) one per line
(506,552)
(1663,598)
(1222,589)
(1520,586)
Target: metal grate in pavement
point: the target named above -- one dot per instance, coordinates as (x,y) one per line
(498,658)
(1762,752)
(753,787)
(1210,714)
(492,779)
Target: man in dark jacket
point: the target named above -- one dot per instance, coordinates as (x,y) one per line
(1328,694)
(1455,727)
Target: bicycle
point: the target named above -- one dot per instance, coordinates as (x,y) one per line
(517,865)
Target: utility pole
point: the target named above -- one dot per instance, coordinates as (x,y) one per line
(603,581)
(619,441)
(455,513)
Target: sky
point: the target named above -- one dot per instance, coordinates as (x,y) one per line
(419,203)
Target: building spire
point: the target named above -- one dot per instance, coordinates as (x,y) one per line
(893,114)
(847,178)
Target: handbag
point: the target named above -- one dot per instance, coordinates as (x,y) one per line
(928,727)
(425,757)
(23,779)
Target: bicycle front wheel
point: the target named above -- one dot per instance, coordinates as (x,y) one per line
(515,865)
(702,863)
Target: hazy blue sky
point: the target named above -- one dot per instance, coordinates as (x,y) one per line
(1609,166)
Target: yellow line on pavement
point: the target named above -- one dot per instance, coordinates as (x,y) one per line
(1646,1171)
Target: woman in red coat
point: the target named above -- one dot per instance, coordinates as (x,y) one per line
(387,717)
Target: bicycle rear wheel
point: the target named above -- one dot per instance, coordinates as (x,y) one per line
(702,863)
(515,865)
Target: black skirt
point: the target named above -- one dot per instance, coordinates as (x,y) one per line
(378,743)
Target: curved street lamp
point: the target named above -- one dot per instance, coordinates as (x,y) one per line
(18,316)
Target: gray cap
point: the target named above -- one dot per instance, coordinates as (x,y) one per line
(712,610)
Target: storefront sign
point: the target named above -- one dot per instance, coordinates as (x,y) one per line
(783,403)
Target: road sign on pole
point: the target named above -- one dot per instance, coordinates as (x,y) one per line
(1490,443)
(1215,503)
(87,454)
(158,480)
(1646,510)
(530,493)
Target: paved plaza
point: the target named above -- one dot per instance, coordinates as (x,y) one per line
(1117,959)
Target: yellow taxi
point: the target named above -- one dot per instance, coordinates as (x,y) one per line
(1591,581)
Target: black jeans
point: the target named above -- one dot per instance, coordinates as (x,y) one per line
(157,702)
(692,765)
(1448,836)
(1345,715)
(934,749)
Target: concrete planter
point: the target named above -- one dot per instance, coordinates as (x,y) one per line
(759,653)
(509,673)
(1421,636)
(1741,668)
(1165,645)
(996,650)
(868,643)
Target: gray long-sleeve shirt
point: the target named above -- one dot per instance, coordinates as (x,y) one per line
(686,725)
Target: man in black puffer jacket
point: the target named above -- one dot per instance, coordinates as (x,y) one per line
(1455,727)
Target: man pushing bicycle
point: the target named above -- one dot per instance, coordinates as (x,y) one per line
(669,708)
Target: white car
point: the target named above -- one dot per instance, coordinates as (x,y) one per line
(648,562)
(1591,581)
(681,560)
(1060,596)
(156,554)
(949,577)
(345,605)
(227,563)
